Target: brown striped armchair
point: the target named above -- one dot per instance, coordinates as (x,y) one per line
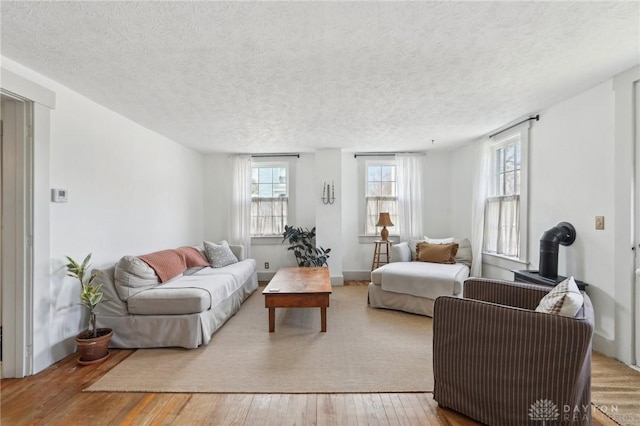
(499,362)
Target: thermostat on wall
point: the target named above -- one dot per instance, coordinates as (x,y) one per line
(59,195)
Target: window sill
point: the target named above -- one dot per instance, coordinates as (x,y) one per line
(504,262)
(266,240)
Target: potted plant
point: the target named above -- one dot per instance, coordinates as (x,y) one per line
(93,343)
(303,244)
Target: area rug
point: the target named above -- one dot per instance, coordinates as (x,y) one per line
(615,389)
(364,350)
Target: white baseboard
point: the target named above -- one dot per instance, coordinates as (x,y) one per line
(357,275)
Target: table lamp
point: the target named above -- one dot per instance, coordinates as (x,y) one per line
(384,220)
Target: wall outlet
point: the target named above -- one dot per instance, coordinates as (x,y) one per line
(266,265)
(599,222)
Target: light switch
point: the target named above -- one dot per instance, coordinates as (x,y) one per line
(599,222)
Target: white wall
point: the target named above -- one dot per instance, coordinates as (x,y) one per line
(131,191)
(437,186)
(572,179)
(461,178)
(572,173)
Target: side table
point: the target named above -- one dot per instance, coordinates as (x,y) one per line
(381,257)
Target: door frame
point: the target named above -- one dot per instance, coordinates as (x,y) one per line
(636,215)
(34,350)
(16,236)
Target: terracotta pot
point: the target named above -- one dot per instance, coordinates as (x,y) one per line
(93,349)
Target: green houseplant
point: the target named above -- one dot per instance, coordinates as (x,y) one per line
(303,244)
(93,343)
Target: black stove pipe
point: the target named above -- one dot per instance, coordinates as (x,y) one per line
(563,233)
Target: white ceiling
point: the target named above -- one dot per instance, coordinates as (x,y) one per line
(298,76)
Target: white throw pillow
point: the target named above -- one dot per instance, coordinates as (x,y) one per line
(439,240)
(219,255)
(464,254)
(564,299)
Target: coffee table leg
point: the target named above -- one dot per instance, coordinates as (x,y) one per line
(323,319)
(272,320)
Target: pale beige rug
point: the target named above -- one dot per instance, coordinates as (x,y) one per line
(363,350)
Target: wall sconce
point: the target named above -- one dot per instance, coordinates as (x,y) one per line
(328,193)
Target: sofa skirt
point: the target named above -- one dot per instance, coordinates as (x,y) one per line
(379,298)
(187,331)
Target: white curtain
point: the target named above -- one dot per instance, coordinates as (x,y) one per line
(268,215)
(481,177)
(409,170)
(241,203)
(502,225)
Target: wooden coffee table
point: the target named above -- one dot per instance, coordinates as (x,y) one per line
(298,288)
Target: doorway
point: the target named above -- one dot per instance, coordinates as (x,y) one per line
(15,230)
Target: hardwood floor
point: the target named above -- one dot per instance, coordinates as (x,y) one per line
(55,397)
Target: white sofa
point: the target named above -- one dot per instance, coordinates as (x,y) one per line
(184,311)
(412,286)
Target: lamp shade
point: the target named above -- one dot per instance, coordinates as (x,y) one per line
(384,220)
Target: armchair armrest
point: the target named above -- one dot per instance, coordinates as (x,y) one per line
(400,252)
(509,293)
(238,250)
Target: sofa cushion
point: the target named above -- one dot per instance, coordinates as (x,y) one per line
(169,301)
(132,276)
(421,279)
(240,271)
(167,264)
(219,255)
(437,253)
(564,299)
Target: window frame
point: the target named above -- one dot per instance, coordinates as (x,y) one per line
(502,140)
(289,165)
(380,161)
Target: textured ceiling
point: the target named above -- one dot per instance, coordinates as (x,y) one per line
(298,76)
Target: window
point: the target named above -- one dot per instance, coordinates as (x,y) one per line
(269,198)
(380,194)
(502,208)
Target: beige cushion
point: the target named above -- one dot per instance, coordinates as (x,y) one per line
(437,253)
(564,299)
(169,301)
(132,276)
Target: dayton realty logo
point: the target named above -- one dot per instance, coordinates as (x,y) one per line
(543,410)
